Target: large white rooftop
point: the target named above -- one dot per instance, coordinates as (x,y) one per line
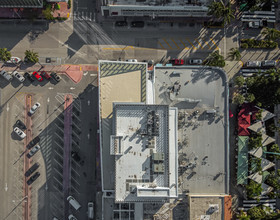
(145,159)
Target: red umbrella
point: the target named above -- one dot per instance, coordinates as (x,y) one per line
(230,114)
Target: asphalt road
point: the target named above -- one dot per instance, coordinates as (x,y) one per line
(47,191)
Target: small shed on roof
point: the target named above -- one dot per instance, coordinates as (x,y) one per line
(266,140)
(257,127)
(258,152)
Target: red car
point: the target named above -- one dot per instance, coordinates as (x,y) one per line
(177,62)
(45,74)
(37,76)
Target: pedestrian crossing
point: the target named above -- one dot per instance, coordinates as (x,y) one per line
(186,43)
(83,16)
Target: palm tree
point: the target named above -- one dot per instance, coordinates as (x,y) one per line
(271,33)
(5,55)
(31,56)
(215,59)
(220,11)
(234,54)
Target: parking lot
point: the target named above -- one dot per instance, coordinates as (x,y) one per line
(58,122)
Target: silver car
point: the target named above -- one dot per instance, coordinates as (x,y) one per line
(6,75)
(34,108)
(18,76)
(19,132)
(253,64)
(33,151)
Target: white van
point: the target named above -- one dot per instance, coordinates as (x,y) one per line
(90,210)
(73,202)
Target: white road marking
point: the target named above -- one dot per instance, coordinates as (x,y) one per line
(6,187)
(50,87)
(88,136)
(48,100)
(88,102)
(85,73)
(72,88)
(8,108)
(93,74)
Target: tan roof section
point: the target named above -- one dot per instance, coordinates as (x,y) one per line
(258,152)
(257,127)
(266,140)
(256,177)
(267,115)
(125,87)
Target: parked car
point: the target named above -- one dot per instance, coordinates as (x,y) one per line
(37,76)
(72,217)
(32,169)
(55,77)
(33,142)
(19,132)
(177,62)
(20,125)
(75,156)
(120,23)
(255,24)
(76,205)
(33,151)
(268,63)
(33,178)
(253,64)
(29,77)
(14,60)
(46,75)
(195,61)
(132,60)
(18,76)
(90,210)
(34,108)
(137,24)
(6,75)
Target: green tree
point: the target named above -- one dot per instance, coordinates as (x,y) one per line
(31,56)
(273,181)
(275,149)
(221,11)
(250,97)
(271,33)
(253,189)
(215,59)
(257,212)
(239,81)
(238,99)
(5,55)
(57,6)
(234,54)
(243,216)
(48,14)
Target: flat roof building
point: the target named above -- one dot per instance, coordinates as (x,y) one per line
(155,8)
(21,4)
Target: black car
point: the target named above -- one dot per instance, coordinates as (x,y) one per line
(55,77)
(75,156)
(121,23)
(33,142)
(33,178)
(137,24)
(20,125)
(29,77)
(32,169)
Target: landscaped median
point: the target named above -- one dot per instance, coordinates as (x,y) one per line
(258,44)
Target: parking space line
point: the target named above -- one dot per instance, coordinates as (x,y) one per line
(176,44)
(167,43)
(214,43)
(191,43)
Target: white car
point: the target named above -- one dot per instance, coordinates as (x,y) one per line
(18,76)
(132,60)
(34,108)
(19,132)
(253,64)
(14,60)
(33,151)
(90,210)
(72,217)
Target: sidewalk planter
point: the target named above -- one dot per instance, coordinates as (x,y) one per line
(258,44)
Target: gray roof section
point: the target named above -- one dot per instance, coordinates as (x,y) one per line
(203,137)
(21,3)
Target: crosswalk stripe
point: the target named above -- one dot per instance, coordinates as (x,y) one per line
(199,44)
